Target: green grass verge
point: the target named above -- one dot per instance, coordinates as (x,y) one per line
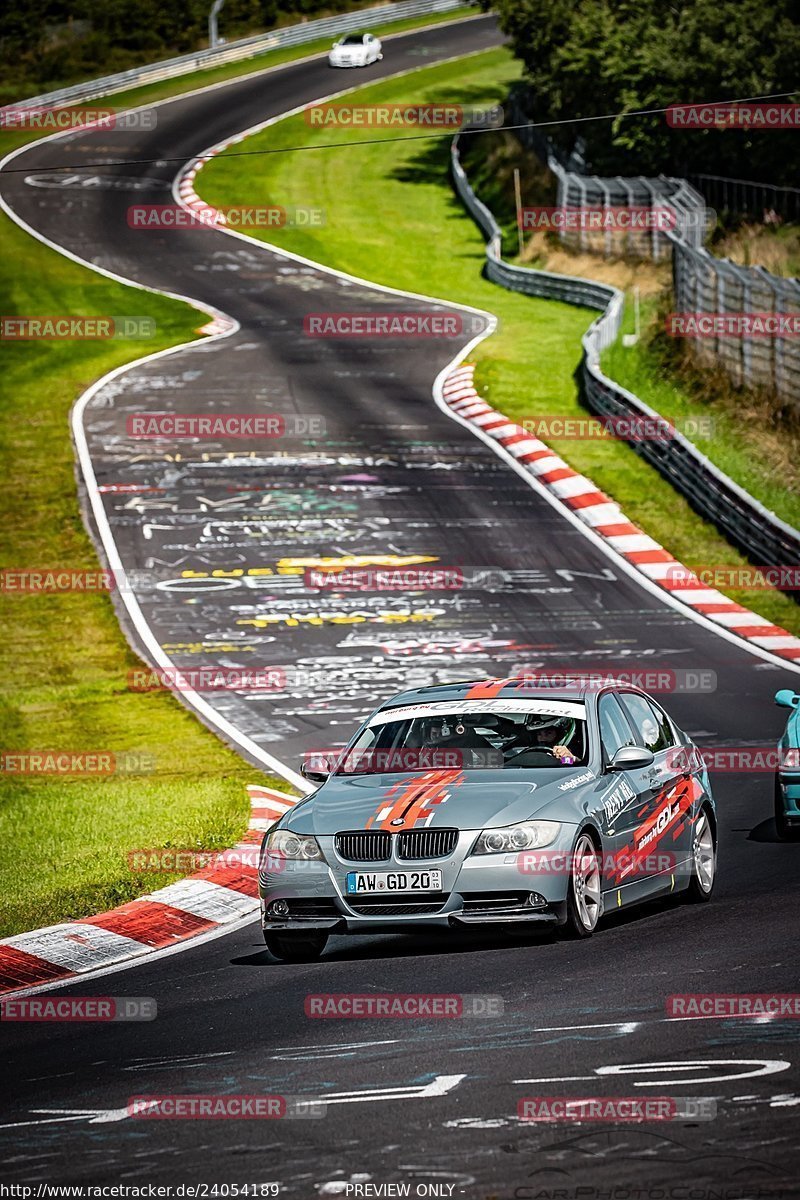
(392,217)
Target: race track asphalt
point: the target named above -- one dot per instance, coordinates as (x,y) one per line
(392,474)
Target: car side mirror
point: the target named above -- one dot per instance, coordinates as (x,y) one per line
(787,698)
(316,768)
(629,758)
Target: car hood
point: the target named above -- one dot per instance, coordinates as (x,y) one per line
(437,799)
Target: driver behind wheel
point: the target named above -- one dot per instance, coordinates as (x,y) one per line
(552,735)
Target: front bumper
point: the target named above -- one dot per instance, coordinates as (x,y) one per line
(486,890)
(349,923)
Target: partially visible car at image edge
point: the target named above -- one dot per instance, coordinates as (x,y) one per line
(787,776)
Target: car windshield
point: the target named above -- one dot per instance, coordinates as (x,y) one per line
(472,737)
(352,39)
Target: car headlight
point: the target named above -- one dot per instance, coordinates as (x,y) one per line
(298,846)
(528,835)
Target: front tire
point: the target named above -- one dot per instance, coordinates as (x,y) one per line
(704,860)
(296,947)
(584,891)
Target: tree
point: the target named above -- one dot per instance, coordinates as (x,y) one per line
(589,58)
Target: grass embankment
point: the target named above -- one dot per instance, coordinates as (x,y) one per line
(392,217)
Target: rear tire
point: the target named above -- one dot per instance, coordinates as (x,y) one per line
(296,947)
(584,890)
(704,860)
(786,832)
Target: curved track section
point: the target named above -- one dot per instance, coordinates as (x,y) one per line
(392,475)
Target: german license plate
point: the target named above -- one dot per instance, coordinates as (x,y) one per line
(372,882)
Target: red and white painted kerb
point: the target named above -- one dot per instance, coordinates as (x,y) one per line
(196,905)
(189,199)
(605,517)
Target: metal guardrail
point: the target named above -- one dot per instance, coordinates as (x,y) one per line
(290,35)
(764,538)
(570,288)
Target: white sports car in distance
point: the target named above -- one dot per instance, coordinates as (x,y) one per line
(355,50)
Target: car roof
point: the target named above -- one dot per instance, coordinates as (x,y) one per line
(487,689)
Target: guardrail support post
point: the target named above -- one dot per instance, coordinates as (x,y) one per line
(213,30)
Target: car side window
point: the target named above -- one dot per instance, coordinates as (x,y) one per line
(649,721)
(615,730)
(666,735)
